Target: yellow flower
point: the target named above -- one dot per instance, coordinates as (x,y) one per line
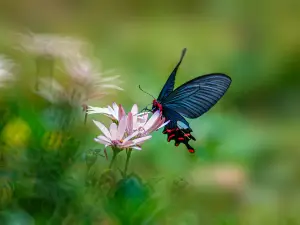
(16,133)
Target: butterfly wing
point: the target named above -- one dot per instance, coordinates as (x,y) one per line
(178,129)
(174,117)
(197,96)
(169,85)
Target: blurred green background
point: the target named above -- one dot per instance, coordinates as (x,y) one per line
(246,166)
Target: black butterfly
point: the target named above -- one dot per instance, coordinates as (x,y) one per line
(190,100)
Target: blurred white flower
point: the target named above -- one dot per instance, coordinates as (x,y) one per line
(86,81)
(117,137)
(83,71)
(6,66)
(52,45)
(135,121)
(53,91)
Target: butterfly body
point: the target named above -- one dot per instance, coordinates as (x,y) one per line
(156,106)
(190,100)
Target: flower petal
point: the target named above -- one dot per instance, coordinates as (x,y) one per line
(116,110)
(121,112)
(112,86)
(142,119)
(107,79)
(92,110)
(130,136)
(152,120)
(121,128)
(136,148)
(103,129)
(134,109)
(164,124)
(141,140)
(113,131)
(130,123)
(103,140)
(113,113)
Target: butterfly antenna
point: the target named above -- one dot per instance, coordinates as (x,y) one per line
(145,92)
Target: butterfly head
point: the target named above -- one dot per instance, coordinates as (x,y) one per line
(156,106)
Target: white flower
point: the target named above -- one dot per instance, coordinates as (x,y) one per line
(6,66)
(115,112)
(117,137)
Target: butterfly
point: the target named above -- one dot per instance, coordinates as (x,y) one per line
(190,100)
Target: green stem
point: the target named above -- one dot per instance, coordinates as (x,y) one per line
(127,161)
(113,158)
(85,117)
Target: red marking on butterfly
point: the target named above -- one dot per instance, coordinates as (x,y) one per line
(157,105)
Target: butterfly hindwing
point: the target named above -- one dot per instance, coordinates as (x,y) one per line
(174,117)
(169,85)
(197,96)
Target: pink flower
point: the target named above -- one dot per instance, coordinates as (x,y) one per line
(144,126)
(117,137)
(135,121)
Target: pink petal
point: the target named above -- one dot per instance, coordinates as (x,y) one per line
(143,119)
(103,140)
(134,109)
(136,148)
(130,136)
(164,124)
(141,140)
(134,112)
(152,120)
(156,124)
(103,129)
(113,131)
(121,128)
(121,112)
(127,144)
(130,123)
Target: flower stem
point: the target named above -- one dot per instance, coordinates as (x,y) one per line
(85,117)
(85,110)
(127,161)
(113,159)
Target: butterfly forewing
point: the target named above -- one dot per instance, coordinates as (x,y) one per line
(197,96)
(169,85)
